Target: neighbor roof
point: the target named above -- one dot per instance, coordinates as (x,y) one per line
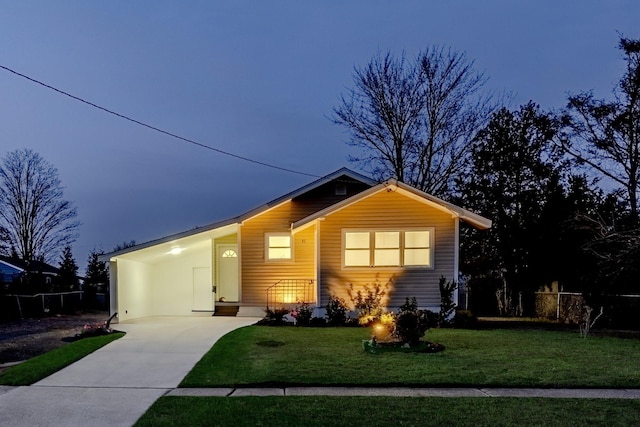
(31,266)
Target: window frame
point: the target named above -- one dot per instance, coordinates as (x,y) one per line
(267,246)
(431,248)
(402,248)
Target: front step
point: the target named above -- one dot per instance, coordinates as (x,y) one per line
(226,310)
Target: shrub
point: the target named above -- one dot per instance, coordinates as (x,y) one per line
(336,311)
(411,326)
(410,304)
(274,317)
(302,314)
(465,319)
(447,305)
(368,301)
(384,327)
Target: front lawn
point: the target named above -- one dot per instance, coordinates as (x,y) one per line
(378,411)
(261,355)
(42,366)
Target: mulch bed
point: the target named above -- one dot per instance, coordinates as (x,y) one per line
(24,339)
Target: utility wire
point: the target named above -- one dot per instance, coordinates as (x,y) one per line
(173,135)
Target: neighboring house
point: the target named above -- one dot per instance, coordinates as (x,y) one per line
(12,269)
(304,246)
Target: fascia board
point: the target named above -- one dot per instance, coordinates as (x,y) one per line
(464,214)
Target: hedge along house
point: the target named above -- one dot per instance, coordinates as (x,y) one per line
(305,246)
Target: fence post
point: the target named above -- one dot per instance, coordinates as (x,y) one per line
(558,308)
(19,307)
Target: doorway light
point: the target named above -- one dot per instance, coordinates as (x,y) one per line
(176,250)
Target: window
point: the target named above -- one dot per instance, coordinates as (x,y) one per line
(229,253)
(417,247)
(278,246)
(388,248)
(356,249)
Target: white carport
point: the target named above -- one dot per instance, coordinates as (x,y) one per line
(173,276)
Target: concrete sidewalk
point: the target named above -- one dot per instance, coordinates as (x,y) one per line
(411,392)
(115,385)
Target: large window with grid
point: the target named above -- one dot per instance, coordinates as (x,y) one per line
(388,248)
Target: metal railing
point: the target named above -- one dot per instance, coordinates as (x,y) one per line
(291,291)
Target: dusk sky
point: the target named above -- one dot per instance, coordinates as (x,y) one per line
(255,78)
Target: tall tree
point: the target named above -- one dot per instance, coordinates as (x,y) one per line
(97,273)
(68,270)
(511,171)
(36,221)
(414,121)
(605,134)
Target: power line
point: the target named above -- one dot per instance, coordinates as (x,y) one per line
(173,135)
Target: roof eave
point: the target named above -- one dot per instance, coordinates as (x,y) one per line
(474,219)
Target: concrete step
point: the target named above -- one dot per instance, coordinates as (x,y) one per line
(226,310)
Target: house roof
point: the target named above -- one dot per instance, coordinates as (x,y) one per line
(390,185)
(476,220)
(31,266)
(249,214)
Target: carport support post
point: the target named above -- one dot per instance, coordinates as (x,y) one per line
(113,287)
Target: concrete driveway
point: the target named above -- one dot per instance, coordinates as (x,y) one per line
(115,385)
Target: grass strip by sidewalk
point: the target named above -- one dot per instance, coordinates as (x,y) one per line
(42,366)
(373,411)
(280,356)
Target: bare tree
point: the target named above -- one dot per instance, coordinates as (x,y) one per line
(36,222)
(606,134)
(414,121)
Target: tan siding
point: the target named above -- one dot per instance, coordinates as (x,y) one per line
(231,239)
(387,210)
(257,273)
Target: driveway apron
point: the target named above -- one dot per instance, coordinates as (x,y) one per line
(115,385)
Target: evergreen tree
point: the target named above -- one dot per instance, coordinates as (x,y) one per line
(97,272)
(513,168)
(68,274)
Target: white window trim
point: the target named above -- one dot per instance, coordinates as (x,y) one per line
(402,248)
(266,246)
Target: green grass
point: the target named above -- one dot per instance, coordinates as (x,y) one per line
(42,366)
(258,355)
(374,411)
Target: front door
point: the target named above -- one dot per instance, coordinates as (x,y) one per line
(227,283)
(202,295)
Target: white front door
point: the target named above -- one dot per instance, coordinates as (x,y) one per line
(202,291)
(227,283)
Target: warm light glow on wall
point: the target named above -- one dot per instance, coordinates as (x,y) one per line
(289,298)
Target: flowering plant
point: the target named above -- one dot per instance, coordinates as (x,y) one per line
(302,314)
(95,329)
